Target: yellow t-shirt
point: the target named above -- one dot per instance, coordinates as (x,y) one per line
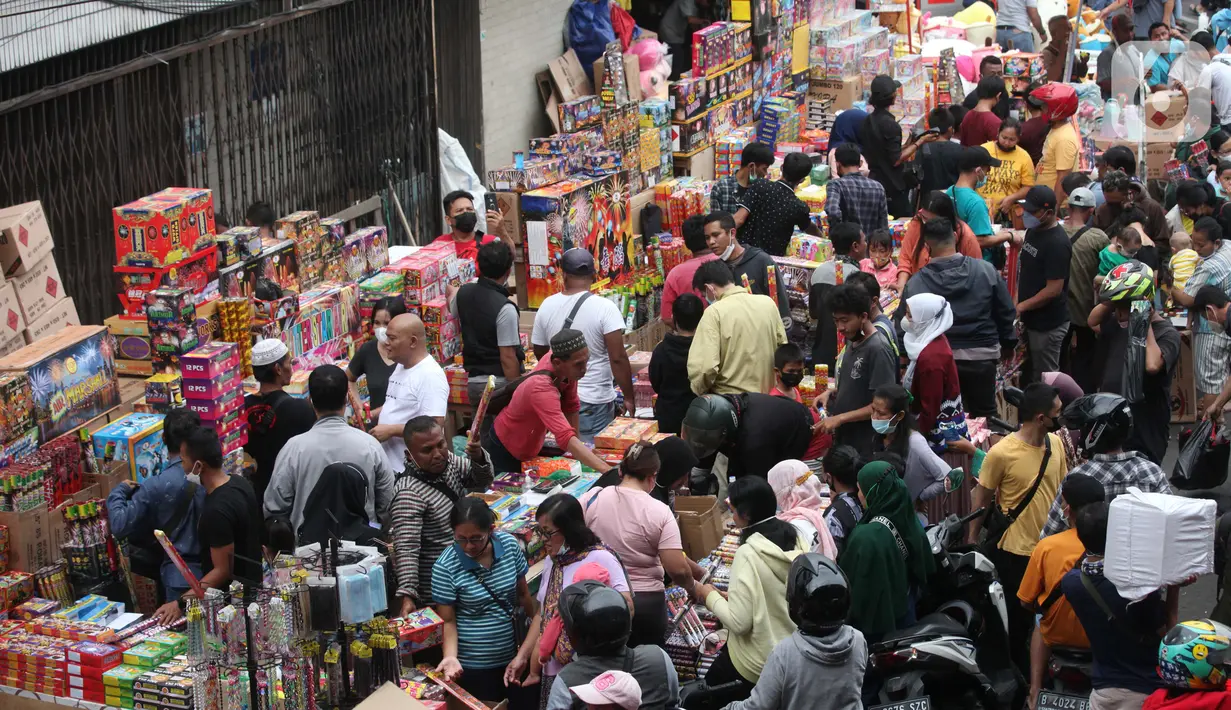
(1052,558)
(1015,172)
(1010,469)
(1060,150)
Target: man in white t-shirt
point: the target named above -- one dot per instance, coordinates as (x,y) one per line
(417,387)
(600,321)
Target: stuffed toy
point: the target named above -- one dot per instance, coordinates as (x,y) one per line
(655,67)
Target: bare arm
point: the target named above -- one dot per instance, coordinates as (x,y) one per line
(1154,354)
(620,369)
(1097,315)
(509,363)
(385,432)
(220,576)
(1037,22)
(1178,295)
(980,497)
(1168,18)
(450,629)
(676,563)
(1053,289)
(741,216)
(582,453)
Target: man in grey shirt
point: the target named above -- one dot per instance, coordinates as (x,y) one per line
(483,308)
(330,440)
(676,28)
(1014,18)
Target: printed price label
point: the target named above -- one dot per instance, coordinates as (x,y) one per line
(1062,701)
(924,703)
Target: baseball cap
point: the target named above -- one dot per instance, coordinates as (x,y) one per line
(1040,197)
(577,262)
(975,157)
(884,85)
(1081,197)
(610,688)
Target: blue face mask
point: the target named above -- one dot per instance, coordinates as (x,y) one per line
(1030,221)
(980,182)
(884,426)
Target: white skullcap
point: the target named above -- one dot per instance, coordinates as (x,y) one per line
(268,352)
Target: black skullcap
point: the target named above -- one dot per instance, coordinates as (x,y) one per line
(567,342)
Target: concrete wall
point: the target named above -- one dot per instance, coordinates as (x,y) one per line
(518,38)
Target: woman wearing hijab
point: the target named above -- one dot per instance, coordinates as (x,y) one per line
(1069,391)
(800,503)
(846,130)
(884,581)
(931,377)
(339,495)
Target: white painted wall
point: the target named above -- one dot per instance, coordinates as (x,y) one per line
(517,38)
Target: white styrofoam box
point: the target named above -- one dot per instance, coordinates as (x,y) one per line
(39,288)
(1156,539)
(12,322)
(62,314)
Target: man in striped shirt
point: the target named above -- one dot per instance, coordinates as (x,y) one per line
(434,479)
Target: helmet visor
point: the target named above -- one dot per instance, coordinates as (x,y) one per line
(704,442)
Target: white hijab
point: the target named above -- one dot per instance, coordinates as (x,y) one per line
(930,317)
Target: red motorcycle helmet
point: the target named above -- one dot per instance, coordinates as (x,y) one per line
(1058,101)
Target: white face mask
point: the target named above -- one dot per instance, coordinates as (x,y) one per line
(727,254)
(193,475)
(382,334)
(908,325)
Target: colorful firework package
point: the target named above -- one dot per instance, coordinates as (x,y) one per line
(137,439)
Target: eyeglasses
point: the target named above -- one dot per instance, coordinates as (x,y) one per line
(544,532)
(476,540)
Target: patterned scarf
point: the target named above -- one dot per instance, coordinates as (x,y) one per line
(563,652)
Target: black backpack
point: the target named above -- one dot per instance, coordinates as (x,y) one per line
(501,397)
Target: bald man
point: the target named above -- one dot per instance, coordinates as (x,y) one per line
(417,387)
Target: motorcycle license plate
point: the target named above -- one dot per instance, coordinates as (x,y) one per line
(1062,701)
(924,703)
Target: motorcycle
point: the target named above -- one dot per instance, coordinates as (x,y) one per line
(959,653)
(1069,670)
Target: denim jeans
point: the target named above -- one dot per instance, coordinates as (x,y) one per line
(1021,39)
(593,418)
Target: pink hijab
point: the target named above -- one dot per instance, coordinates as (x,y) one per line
(799,497)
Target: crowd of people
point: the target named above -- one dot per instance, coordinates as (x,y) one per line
(830,493)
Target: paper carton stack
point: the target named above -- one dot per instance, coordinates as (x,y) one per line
(165,241)
(213,389)
(33,302)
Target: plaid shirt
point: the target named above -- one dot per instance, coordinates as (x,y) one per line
(855,198)
(725,194)
(1117,472)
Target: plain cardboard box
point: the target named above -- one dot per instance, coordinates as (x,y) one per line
(569,78)
(510,228)
(39,288)
(12,322)
(844,92)
(61,315)
(25,237)
(12,345)
(699,165)
(1184,384)
(35,536)
(700,524)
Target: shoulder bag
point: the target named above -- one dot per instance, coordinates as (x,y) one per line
(996,522)
(517,615)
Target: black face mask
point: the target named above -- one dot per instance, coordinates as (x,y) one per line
(1056,424)
(791,379)
(465,222)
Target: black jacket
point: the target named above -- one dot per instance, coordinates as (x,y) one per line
(669,378)
(983,313)
(771,429)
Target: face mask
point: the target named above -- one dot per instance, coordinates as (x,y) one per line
(1054,424)
(1216,325)
(382,334)
(908,324)
(980,182)
(884,426)
(791,379)
(194,475)
(727,254)
(880,263)
(465,222)
(1030,221)
(857,337)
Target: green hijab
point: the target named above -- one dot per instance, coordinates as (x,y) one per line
(880,579)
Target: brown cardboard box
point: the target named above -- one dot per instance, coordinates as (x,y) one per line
(12,322)
(844,93)
(35,536)
(57,318)
(1184,384)
(700,524)
(1156,155)
(115,474)
(25,237)
(699,165)
(39,288)
(510,228)
(569,78)
(12,345)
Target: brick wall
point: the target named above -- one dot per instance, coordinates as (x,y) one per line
(518,38)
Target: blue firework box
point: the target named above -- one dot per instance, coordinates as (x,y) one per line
(137,439)
(72,378)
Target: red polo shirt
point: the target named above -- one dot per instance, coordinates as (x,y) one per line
(538,406)
(468,249)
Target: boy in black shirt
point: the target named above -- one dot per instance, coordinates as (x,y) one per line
(273,415)
(230,531)
(866,364)
(669,365)
(1043,288)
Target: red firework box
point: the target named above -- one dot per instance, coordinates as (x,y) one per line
(435,312)
(211,387)
(215,409)
(71,629)
(161,229)
(197,273)
(209,361)
(231,421)
(98,655)
(417,271)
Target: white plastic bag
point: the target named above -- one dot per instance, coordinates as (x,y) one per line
(1156,539)
(456,173)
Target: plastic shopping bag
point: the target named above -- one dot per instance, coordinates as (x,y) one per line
(1204,454)
(1135,352)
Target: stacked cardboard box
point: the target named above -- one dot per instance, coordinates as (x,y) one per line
(239,252)
(212,389)
(33,302)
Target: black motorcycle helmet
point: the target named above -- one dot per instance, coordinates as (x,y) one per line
(1104,420)
(710,421)
(818,596)
(595,617)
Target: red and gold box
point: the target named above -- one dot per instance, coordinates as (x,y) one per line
(162,229)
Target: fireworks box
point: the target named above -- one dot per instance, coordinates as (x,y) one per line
(354,262)
(211,410)
(16,405)
(198,273)
(375,241)
(169,305)
(239,280)
(212,387)
(210,360)
(280,264)
(532,175)
(72,377)
(623,432)
(136,438)
(333,236)
(303,228)
(580,113)
(162,229)
(25,237)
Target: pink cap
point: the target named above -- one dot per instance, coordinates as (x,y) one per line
(611,688)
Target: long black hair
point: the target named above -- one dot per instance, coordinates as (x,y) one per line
(393,305)
(899,401)
(566,514)
(754,499)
